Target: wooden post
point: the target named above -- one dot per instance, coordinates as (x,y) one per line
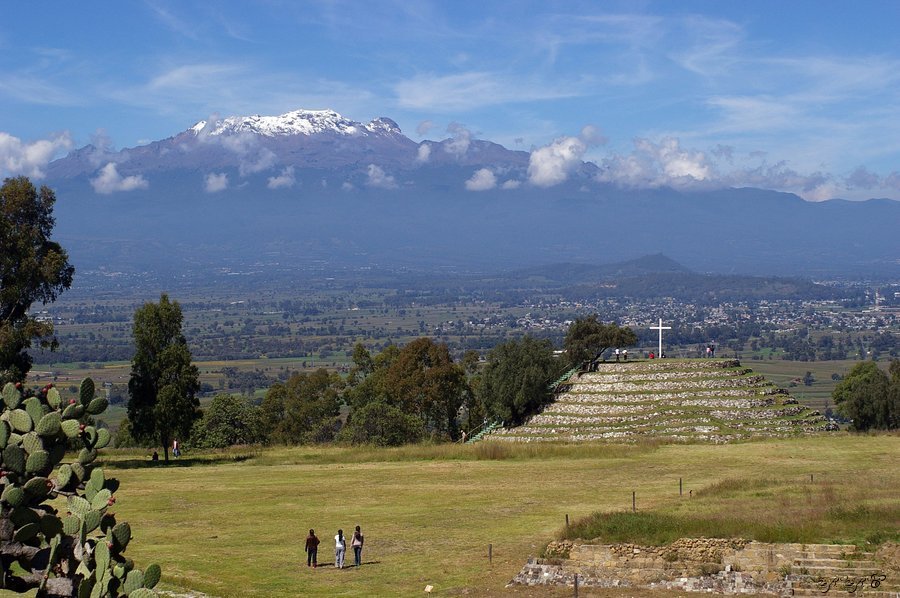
(490,553)
(633,501)
(810,477)
(576,585)
(567,520)
(680,492)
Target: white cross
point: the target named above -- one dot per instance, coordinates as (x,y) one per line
(660,328)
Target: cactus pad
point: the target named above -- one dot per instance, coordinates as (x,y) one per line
(100,499)
(92,520)
(133,581)
(38,461)
(103,438)
(86,391)
(14,458)
(26,532)
(53,398)
(151,576)
(87,456)
(97,406)
(49,424)
(32,443)
(121,534)
(20,420)
(34,409)
(4,434)
(11,395)
(78,505)
(14,496)
(70,427)
(38,487)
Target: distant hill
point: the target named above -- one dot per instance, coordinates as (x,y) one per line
(312,187)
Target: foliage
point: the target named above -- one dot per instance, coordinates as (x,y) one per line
(228,420)
(32,268)
(869,397)
(421,379)
(381,424)
(79,553)
(515,382)
(303,409)
(163,384)
(587,338)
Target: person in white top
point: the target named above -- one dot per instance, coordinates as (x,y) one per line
(340,547)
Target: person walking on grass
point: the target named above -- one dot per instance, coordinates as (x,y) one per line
(357,544)
(340,547)
(312,549)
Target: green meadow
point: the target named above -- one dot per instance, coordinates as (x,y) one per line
(233,524)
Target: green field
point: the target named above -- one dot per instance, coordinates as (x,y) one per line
(234,524)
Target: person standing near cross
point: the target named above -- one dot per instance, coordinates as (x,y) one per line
(660,328)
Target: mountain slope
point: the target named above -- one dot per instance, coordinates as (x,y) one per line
(312,186)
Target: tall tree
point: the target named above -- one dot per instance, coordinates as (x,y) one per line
(587,338)
(303,409)
(515,382)
(163,384)
(32,268)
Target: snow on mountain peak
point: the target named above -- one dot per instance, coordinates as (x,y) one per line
(297,122)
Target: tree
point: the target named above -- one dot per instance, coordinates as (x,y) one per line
(304,409)
(382,425)
(32,268)
(424,381)
(587,338)
(516,380)
(163,384)
(228,420)
(869,397)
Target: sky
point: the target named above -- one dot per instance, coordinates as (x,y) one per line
(795,96)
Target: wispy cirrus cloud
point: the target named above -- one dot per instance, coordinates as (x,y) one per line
(469,90)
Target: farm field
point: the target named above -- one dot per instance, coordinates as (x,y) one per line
(233,524)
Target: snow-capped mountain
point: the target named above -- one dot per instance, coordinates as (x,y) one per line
(301,139)
(298,122)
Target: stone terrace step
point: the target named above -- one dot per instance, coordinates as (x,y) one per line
(713,400)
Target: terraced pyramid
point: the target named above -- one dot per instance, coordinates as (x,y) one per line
(679,399)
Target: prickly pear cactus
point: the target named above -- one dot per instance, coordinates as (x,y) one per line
(75,550)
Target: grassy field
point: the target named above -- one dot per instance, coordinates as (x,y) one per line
(233,524)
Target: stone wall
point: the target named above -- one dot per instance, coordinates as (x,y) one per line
(725,566)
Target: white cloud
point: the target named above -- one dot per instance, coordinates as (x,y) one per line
(424,153)
(657,164)
(376,177)
(459,141)
(110,181)
(482,180)
(284,180)
(550,165)
(423,128)
(347,186)
(29,159)
(511,184)
(216,182)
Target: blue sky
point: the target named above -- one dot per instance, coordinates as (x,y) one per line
(797,96)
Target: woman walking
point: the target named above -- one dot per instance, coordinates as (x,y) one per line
(357,544)
(340,547)
(312,548)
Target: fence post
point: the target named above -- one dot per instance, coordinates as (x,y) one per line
(567,521)
(576,585)
(680,492)
(633,501)
(490,553)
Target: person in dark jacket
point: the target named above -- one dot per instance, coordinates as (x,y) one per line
(312,548)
